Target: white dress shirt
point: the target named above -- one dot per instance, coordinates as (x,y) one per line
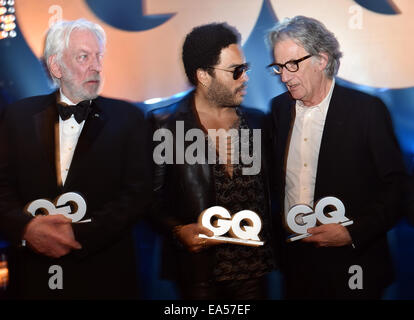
(302,161)
(69,132)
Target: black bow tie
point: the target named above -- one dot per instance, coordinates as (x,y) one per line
(80,111)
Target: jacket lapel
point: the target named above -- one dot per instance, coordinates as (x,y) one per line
(331,137)
(45,123)
(91,129)
(285,122)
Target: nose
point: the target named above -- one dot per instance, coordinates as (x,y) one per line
(96,64)
(245,77)
(285,76)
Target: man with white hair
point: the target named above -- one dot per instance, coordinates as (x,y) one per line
(332,141)
(73,141)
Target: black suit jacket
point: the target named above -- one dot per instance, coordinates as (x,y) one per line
(360,163)
(110,169)
(185,190)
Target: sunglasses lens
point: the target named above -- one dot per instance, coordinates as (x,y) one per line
(238,71)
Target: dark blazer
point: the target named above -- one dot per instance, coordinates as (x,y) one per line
(110,168)
(361,164)
(184,191)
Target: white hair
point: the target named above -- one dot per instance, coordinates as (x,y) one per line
(58,35)
(312,35)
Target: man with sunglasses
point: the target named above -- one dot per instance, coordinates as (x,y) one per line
(332,141)
(205,268)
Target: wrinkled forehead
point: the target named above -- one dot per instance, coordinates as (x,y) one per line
(288,49)
(84,39)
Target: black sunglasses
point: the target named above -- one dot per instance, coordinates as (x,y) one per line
(291,65)
(237,71)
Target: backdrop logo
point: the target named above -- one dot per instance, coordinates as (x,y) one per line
(247,234)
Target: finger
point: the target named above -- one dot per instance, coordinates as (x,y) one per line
(74,245)
(311,239)
(204,230)
(214,242)
(195,248)
(316,230)
(68,242)
(58,252)
(58,218)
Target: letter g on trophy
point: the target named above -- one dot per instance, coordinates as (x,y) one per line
(302,217)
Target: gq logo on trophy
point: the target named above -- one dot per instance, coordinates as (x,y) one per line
(246,234)
(61,205)
(302,217)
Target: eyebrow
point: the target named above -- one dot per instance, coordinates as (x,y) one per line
(235,65)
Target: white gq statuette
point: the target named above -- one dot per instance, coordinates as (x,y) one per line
(60,206)
(246,235)
(302,217)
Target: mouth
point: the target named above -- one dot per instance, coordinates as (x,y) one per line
(93,81)
(242,90)
(292,86)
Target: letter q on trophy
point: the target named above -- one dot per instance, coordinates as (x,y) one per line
(302,217)
(244,234)
(71,204)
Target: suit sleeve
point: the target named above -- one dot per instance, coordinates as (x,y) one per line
(385,210)
(12,217)
(133,202)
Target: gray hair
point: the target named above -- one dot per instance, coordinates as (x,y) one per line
(310,34)
(57,39)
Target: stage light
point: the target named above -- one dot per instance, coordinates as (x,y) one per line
(3,35)
(4,272)
(8,26)
(7,19)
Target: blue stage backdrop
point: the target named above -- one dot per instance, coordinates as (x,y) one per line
(143,65)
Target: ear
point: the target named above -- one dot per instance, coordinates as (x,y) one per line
(323,60)
(203,77)
(54,66)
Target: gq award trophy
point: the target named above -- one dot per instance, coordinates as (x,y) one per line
(244,235)
(302,217)
(71,204)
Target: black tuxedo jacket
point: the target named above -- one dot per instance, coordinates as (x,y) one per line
(110,169)
(360,163)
